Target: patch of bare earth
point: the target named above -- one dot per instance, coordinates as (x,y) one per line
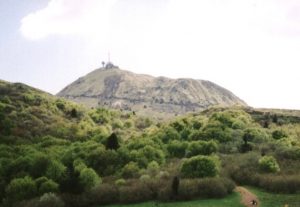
(247,197)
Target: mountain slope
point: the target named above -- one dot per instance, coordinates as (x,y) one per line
(143,93)
(28,114)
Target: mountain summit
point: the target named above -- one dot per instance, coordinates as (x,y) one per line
(116,88)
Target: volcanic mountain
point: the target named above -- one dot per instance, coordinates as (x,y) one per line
(158,96)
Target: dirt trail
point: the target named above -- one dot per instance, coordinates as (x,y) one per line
(247,197)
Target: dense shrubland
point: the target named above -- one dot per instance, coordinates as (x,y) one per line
(57,153)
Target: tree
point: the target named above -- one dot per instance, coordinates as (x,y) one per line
(200,166)
(74,113)
(175,185)
(247,137)
(21,188)
(112,142)
(275,118)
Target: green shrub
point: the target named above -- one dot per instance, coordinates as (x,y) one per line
(201,148)
(197,124)
(217,132)
(268,164)
(200,166)
(88,178)
(55,170)
(79,165)
(128,124)
(278,134)
(117,124)
(130,170)
(153,168)
(257,135)
(48,186)
(21,188)
(39,181)
(170,134)
(147,154)
(177,148)
(142,123)
(60,104)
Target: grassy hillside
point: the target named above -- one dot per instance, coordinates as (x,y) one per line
(55,152)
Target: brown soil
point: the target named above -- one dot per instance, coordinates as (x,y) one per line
(247,197)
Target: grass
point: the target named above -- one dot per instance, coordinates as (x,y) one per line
(232,200)
(276,200)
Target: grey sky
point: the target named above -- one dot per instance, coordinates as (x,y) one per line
(250,47)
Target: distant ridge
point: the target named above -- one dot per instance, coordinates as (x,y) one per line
(158,96)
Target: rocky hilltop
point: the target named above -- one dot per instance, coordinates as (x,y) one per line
(116,88)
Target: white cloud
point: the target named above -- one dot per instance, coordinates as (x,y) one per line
(68,17)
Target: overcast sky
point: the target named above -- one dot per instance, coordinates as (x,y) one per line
(251,47)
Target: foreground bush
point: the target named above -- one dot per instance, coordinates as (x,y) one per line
(205,188)
(46,200)
(135,193)
(269,182)
(50,200)
(103,194)
(280,184)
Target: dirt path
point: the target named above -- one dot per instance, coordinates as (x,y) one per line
(247,197)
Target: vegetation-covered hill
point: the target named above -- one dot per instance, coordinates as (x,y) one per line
(27,114)
(57,153)
(145,94)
